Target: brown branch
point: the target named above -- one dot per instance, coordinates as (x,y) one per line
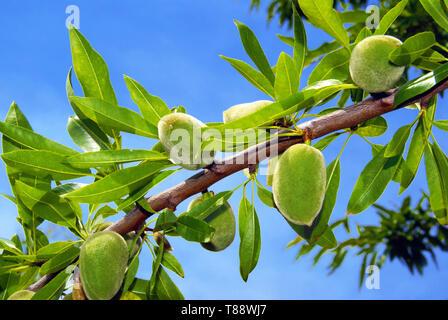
(349,117)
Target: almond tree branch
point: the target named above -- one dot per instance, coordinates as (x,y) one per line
(349,117)
(341,119)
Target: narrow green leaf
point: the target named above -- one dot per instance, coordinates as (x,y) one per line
(164,288)
(208,206)
(42,164)
(372,128)
(130,273)
(265,196)
(412,48)
(31,140)
(287,80)
(139,193)
(323,143)
(165,220)
(327,240)
(254,51)
(60,260)
(53,249)
(420,85)
(90,69)
(118,183)
(250,238)
(299,43)
(441,124)
(10,198)
(437,177)
(47,205)
(111,157)
(322,15)
(372,182)
(390,17)
(9,246)
(115,117)
(151,107)
(255,77)
(171,263)
(84,137)
(334,65)
(193,229)
(52,290)
(436,11)
(396,146)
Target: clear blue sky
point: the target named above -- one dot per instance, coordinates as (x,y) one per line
(172,48)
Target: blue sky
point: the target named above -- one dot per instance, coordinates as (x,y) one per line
(172,48)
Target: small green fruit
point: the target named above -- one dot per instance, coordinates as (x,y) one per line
(22,295)
(102,264)
(180,136)
(370,67)
(244,109)
(299,184)
(223,221)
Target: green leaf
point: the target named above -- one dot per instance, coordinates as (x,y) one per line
(42,164)
(441,124)
(299,43)
(115,117)
(47,205)
(412,48)
(83,131)
(208,206)
(9,246)
(30,140)
(254,51)
(265,196)
(255,77)
(287,80)
(164,288)
(396,146)
(53,249)
(165,220)
(372,128)
(60,260)
(420,85)
(322,15)
(436,11)
(334,65)
(52,290)
(193,229)
(130,273)
(437,176)
(139,193)
(171,263)
(372,182)
(390,17)
(118,183)
(323,143)
(84,137)
(327,240)
(90,69)
(326,47)
(306,98)
(111,157)
(250,238)
(151,107)
(10,198)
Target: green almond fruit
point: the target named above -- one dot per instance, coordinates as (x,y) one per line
(370,67)
(180,135)
(102,264)
(22,295)
(223,221)
(244,109)
(299,184)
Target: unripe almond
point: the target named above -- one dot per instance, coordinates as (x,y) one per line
(299,184)
(102,264)
(370,67)
(223,221)
(180,135)
(244,109)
